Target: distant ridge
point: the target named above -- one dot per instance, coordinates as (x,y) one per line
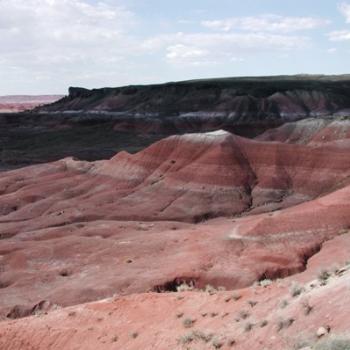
(234,100)
(19,103)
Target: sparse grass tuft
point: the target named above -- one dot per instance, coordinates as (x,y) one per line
(217,343)
(248,327)
(296,289)
(188,322)
(263,323)
(195,335)
(285,323)
(252,303)
(186,339)
(115,339)
(134,335)
(334,343)
(323,275)
(206,338)
(244,314)
(302,344)
(231,342)
(210,289)
(307,308)
(284,303)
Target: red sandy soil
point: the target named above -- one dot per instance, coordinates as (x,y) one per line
(211,209)
(20,103)
(268,317)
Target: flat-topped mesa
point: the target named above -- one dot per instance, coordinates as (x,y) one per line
(233,100)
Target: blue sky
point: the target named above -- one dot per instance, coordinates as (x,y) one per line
(48,45)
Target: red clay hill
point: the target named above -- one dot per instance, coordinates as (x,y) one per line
(162,233)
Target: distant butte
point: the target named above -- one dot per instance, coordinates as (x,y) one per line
(21,103)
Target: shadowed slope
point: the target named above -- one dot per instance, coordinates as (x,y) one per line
(242,100)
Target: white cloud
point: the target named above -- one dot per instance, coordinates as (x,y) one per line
(344,8)
(47,45)
(340,35)
(215,48)
(183,55)
(61,21)
(332,50)
(64,40)
(187,54)
(266,23)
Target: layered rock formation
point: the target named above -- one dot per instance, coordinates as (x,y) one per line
(311,131)
(188,178)
(241,100)
(266,218)
(76,231)
(96,124)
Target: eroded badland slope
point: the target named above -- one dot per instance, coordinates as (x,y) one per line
(200,241)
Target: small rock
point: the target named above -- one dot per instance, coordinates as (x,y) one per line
(322,331)
(313,284)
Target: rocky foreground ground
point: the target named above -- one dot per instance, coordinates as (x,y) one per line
(200,241)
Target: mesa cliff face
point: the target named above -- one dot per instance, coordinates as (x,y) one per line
(237,100)
(96,124)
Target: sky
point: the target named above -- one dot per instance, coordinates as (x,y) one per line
(48,45)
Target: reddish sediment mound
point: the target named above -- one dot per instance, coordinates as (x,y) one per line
(187,178)
(189,211)
(300,312)
(312,132)
(76,231)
